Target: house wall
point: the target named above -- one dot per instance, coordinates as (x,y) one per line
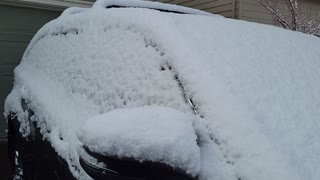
(249,10)
(311,7)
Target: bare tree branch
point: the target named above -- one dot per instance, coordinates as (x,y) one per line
(293,8)
(295,19)
(275,13)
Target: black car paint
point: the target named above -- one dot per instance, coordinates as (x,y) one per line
(37,157)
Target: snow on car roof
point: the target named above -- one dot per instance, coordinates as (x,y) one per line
(139,4)
(148,4)
(256,86)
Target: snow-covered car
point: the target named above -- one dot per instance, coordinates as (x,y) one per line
(144,90)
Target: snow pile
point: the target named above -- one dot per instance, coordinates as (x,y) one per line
(257,87)
(148,4)
(157,134)
(73,10)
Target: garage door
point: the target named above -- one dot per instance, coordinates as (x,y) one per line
(17,27)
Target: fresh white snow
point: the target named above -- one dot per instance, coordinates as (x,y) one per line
(259,94)
(150,133)
(256,86)
(150,5)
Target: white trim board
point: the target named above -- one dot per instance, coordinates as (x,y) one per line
(54,5)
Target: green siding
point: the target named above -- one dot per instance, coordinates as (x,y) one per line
(17,27)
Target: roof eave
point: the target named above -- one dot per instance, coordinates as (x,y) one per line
(53,5)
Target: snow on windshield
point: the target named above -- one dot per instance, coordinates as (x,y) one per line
(259,92)
(88,76)
(255,86)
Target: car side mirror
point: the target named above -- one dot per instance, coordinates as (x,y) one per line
(151,141)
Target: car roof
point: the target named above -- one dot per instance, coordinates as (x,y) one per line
(170,8)
(148,5)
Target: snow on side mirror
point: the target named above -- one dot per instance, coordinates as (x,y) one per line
(138,142)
